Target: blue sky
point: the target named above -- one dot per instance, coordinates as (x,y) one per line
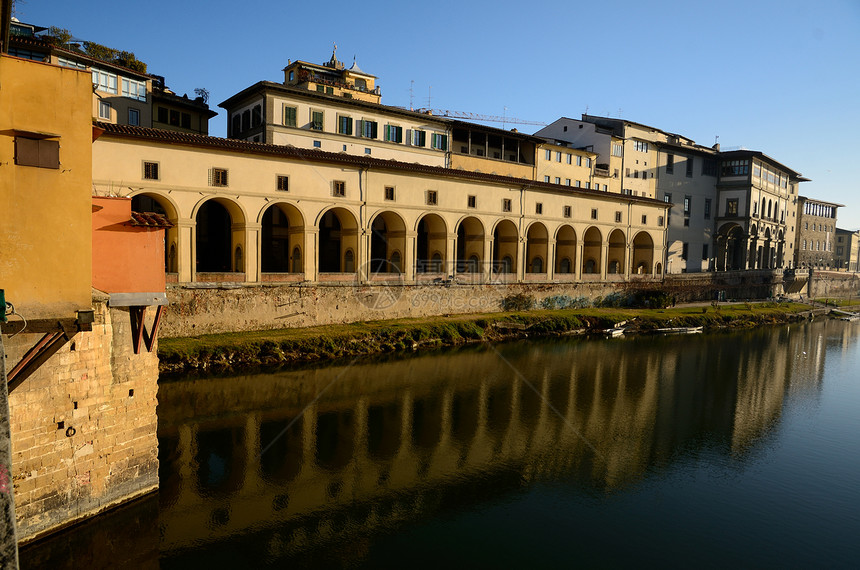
(782,77)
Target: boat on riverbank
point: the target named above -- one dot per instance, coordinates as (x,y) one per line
(679,330)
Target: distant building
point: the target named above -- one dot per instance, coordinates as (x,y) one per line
(847,250)
(816,233)
(120,95)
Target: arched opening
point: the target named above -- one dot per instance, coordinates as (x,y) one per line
(431,244)
(214,238)
(282,239)
(155,204)
(592,243)
(470,245)
(565,249)
(387,237)
(504,247)
(643,253)
(537,243)
(616,256)
(730,247)
(338,241)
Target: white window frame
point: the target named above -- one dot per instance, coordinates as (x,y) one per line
(134,89)
(105,110)
(105,81)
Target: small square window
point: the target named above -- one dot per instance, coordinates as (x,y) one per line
(617,217)
(283,183)
(338,189)
(472,201)
(566,211)
(367,150)
(594,213)
(432,198)
(506,204)
(150,171)
(317,144)
(218,177)
(389,193)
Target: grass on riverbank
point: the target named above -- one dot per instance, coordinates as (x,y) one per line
(276,347)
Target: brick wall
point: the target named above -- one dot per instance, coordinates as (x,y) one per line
(84,426)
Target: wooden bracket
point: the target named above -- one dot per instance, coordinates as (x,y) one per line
(138,328)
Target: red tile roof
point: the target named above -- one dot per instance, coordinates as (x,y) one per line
(149,220)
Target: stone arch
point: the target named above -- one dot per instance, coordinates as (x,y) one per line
(470,245)
(431,244)
(565,249)
(219,232)
(282,240)
(159,204)
(730,247)
(537,248)
(505,247)
(592,242)
(643,253)
(338,241)
(387,238)
(616,257)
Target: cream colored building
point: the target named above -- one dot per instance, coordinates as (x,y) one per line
(254,213)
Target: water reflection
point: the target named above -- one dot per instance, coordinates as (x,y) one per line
(262,471)
(391,442)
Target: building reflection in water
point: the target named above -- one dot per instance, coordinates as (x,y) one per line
(392,441)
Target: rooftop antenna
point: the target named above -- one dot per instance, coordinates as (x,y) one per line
(504,114)
(411,86)
(620,113)
(429,96)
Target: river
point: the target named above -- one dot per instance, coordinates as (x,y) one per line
(733,449)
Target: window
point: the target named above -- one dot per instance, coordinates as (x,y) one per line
(588,185)
(419,138)
(617,217)
(686,222)
(317,120)
(709,167)
(344,125)
(104,81)
(62,61)
(707,208)
(368,129)
(329,90)
(569,158)
(606,188)
(687,200)
(735,168)
(104,110)
(186,120)
(393,133)
(218,177)
(134,89)
(558,180)
(546,178)
(472,201)
(588,162)
(134,117)
(685,250)
(804,245)
(548,154)
(732,207)
(640,146)
(578,184)
(439,142)
(644,220)
(567,181)
(538,208)
(566,211)
(367,150)
(506,204)
(338,188)
(317,144)
(389,193)
(627,172)
(579,161)
(617,149)
(689,167)
(289,116)
(670,163)
(558,156)
(283,183)
(150,171)
(660,221)
(432,198)
(40,153)
(594,213)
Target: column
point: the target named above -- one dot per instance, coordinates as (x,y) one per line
(185,249)
(253,255)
